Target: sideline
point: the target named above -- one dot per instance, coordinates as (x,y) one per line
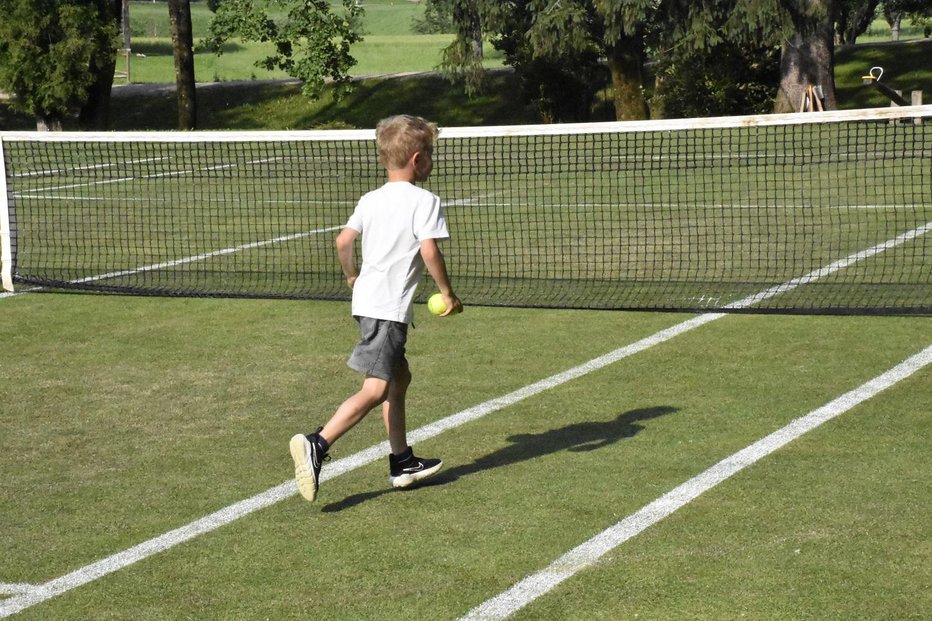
(589,553)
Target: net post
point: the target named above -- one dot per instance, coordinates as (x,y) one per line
(6,253)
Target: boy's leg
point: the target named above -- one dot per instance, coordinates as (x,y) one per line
(308,452)
(393,410)
(373,392)
(405,468)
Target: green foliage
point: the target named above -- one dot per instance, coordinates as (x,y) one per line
(437,18)
(769,22)
(50,51)
(557,46)
(723,80)
(459,63)
(918,11)
(552,49)
(311,42)
(853,17)
(556,59)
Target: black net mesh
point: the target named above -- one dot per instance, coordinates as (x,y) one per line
(827,217)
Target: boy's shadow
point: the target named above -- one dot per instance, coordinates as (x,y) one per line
(577,437)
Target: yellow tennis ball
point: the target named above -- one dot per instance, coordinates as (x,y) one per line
(436,305)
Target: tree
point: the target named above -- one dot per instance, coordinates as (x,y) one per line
(573,37)
(179,12)
(312,42)
(563,36)
(558,75)
(725,79)
(853,18)
(436,19)
(95,112)
(895,10)
(463,57)
(51,53)
(808,59)
(625,29)
(805,30)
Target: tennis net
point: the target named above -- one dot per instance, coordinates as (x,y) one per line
(801,213)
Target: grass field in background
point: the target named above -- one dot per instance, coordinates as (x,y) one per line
(127,417)
(247,100)
(389,45)
(279,105)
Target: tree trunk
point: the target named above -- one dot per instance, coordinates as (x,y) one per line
(895,27)
(853,19)
(808,59)
(625,62)
(179,11)
(466,17)
(95,113)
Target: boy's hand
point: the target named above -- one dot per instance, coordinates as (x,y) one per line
(453,304)
(351,280)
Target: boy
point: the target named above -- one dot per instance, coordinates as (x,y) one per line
(400,225)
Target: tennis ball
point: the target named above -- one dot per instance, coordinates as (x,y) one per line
(435,304)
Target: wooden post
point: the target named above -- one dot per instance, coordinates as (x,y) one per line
(811,100)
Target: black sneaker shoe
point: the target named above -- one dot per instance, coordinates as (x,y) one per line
(307,462)
(406,469)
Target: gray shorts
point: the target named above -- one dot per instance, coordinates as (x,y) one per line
(381,348)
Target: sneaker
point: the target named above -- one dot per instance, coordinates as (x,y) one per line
(307,462)
(406,469)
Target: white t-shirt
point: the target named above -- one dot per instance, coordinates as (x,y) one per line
(393,221)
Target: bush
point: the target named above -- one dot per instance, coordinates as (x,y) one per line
(724,80)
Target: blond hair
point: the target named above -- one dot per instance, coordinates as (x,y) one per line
(399,137)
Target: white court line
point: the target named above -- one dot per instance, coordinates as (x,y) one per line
(201,257)
(640,205)
(588,553)
(55,171)
(185,260)
(233,512)
(200,200)
(15,588)
(832,267)
(170,173)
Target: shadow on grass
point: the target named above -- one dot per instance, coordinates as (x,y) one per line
(161,47)
(255,105)
(371,99)
(578,437)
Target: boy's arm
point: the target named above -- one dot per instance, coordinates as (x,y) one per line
(345,252)
(437,267)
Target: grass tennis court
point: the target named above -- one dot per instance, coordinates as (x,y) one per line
(598,465)
(125,418)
